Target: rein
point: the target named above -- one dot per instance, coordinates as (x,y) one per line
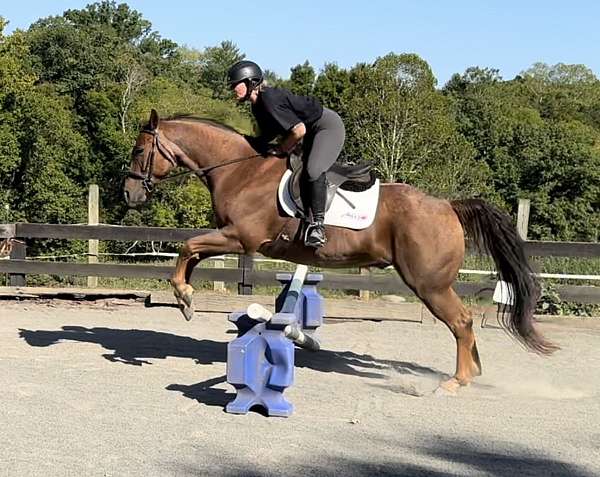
(146,174)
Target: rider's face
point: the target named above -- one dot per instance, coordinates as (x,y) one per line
(240,90)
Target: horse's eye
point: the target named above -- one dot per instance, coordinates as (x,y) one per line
(138,150)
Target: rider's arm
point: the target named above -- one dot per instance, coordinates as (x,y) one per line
(292,137)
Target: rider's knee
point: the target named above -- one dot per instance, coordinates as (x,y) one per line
(313,172)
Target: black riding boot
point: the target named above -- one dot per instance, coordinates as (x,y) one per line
(315,232)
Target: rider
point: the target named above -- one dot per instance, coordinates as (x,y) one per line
(279,112)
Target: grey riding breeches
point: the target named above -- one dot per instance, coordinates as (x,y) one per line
(323,144)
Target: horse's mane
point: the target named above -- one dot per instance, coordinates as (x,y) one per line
(198,119)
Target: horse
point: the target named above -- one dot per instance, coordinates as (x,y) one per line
(423,237)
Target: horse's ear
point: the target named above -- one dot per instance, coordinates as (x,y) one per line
(153,120)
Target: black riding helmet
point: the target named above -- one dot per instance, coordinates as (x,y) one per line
(245,71)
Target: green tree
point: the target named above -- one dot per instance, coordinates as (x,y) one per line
(215,62)
(75,88)
(302,79)
(401,123)
(16,81)
(331,86)
(15,75)
(54,160)
(94,47)
(125,23)
(74,59)
(274,80)
(559,169)
(562,92)
(536,146)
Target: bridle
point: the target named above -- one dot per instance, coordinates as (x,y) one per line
(145,175)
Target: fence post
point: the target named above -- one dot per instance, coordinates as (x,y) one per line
(364,294)
(219,262)
(246,263)
(18,252)
(93,218)
(523,217)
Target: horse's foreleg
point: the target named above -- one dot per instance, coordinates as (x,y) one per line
(193,251)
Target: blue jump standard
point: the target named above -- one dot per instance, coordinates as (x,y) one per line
(260,361)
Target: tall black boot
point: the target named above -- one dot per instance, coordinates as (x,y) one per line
(315,232)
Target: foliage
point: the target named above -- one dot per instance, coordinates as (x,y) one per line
(75,88)
(538,143)
(331,85)
(214,64)
(401,123)
(550,303)
(302,79)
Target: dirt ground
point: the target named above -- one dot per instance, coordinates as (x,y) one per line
(117,389)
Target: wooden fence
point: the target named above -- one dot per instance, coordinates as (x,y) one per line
(245,275)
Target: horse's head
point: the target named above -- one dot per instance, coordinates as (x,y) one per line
(151,160)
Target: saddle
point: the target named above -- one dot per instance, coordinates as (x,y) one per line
(340,177)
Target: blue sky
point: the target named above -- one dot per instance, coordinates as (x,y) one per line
(451,36)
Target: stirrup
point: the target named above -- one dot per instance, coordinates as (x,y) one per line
(310,240)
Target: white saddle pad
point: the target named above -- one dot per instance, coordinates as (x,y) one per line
(353,210)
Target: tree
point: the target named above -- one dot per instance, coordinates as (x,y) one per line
(273,79)
(383,110)
(472,76)
(75,88)
(531,134)
(54,167)
(215,62)
(331,86)
(559,170)
(93,47)
(132,32)
(75,59)
(562,92)
(134,79)
(398,121)
(128,25)
(15,75)
(16,81)
(302,79)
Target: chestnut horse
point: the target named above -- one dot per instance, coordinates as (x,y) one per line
(421,236)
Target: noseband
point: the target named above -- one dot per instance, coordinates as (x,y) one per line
(145,175)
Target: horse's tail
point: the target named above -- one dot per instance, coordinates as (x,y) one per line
(493,231)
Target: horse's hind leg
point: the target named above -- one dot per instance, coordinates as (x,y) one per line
(448,307)
(193,251)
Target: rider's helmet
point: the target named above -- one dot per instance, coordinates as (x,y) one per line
(245,71)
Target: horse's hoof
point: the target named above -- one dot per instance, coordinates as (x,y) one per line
(184,295)
(188,312)
(448,388)
(187,299)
